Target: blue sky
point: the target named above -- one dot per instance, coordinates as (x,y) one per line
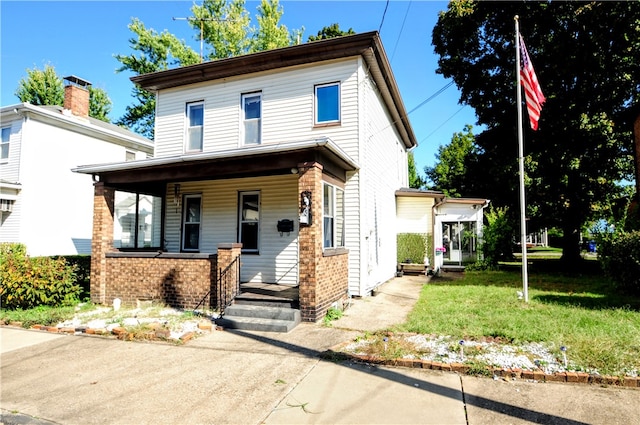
(81,38)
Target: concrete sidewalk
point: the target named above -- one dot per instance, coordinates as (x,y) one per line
(238,377)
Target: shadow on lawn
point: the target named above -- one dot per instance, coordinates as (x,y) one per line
(590,302)
(582,285)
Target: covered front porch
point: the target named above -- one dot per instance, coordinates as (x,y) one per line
(251,215)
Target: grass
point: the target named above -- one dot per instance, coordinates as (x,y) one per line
(600,328)
(47,316)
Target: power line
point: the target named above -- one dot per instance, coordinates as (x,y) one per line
(441,125)
(383,15)
(433,96)
(401,28)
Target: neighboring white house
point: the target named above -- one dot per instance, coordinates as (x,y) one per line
(44,204)
(296,153)
(455,224)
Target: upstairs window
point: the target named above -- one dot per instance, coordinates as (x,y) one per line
(252,118)
(4,145)
(327,103)
(195,121)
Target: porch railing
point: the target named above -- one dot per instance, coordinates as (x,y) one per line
(228,284)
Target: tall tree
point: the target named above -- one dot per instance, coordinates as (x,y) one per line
(157,52)
(41,87)
(415,180)
(331,31)
(45,87)
(225,28)
(585,55)
(449,173)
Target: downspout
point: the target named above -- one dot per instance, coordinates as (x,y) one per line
(433,226)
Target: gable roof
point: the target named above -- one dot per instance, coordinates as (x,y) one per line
(368,45)
(86,125)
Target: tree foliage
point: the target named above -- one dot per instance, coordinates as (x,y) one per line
(44,87)
(585,56)
(225,27)
(415,180)
(41,87)
(449,173)
(331,31)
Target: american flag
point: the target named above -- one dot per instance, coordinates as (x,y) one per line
(532,91)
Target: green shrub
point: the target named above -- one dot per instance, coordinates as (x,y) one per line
(27,282)
(619,256)
(414,247)
(83,270)
(496,237)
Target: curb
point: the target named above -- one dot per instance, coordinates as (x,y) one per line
(119,332)
(460,368)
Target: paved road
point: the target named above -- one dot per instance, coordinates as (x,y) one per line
(252,378)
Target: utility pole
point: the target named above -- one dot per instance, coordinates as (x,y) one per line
(202,21)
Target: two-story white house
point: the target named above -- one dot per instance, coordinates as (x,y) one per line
(290,157)
(43,204)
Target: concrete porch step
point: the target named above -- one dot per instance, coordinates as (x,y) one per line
(259,318)
(261,299)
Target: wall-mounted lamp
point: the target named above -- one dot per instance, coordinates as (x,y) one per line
(294,170)
(305,208)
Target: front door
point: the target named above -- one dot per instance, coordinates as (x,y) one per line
(459,238)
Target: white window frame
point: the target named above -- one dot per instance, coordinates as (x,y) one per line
(242,220)
(331,212)
(246,121)
(316,111)
(185,223)
(5,143)
(190,129)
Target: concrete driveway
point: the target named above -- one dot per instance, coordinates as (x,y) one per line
(252,378)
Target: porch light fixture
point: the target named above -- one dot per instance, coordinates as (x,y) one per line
(176,195)
(305,208)
(294,170)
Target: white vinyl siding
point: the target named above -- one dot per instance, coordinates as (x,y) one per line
(41,148)
(383,155)
(366,133)
(414,214)
(10,169)
(287,108)
(277,260)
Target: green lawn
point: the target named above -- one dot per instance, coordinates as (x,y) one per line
(600,328)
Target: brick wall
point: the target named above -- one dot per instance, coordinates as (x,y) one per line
(334,283)
(174,281)
(323,279)
(101,241)
(76,99)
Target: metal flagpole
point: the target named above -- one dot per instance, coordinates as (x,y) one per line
(523,220)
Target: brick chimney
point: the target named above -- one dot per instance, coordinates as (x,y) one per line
(76,96)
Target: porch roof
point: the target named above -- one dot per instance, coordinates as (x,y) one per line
(151,175)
